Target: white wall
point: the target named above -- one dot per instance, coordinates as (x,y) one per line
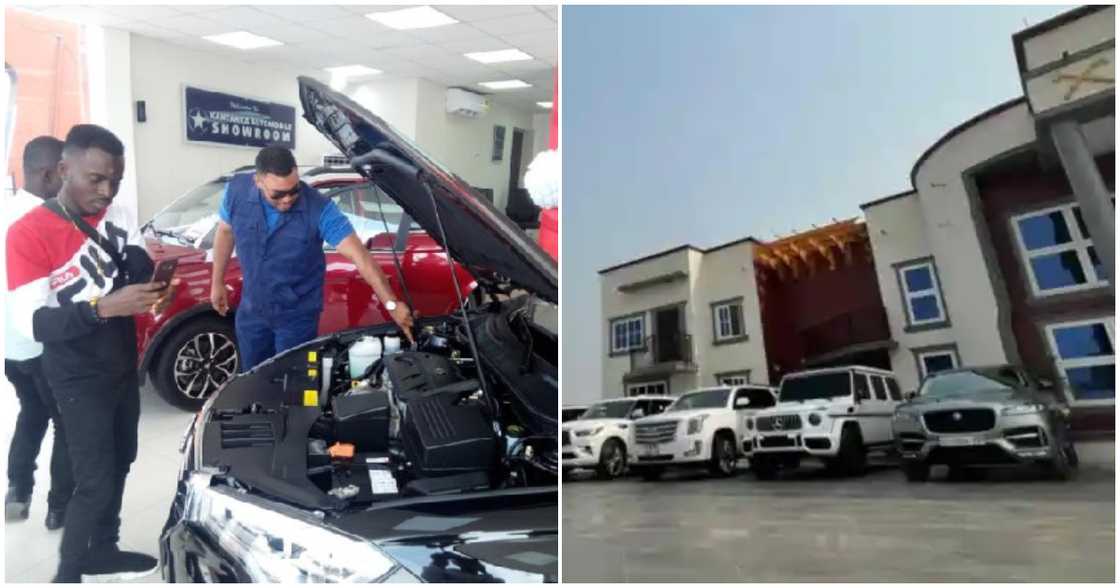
(542,126)
(728,273)
(166,164)
(392,100)
(951,219)
(463,144)
(109,58)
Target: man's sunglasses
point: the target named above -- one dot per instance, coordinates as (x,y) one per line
(280,195)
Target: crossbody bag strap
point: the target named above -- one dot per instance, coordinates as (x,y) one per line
(56,207)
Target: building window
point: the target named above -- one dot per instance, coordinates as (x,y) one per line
(932,362)
(656,388)
(727,319)
(1055,247)
(921,294)
(734,379)
(628,334)
(1084,354)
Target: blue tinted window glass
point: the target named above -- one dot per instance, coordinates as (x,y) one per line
(1044,230)
(937,363)
(1093,383)
(925,308)
(1084,341)
(1058,270)
(1081,222)
(918,279)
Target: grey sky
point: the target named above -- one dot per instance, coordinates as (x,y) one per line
(708,124)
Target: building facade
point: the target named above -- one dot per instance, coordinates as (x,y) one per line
(991,257)
(682,319)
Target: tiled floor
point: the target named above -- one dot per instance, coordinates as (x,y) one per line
(31,552)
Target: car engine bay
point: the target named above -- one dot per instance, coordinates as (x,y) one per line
(308,428)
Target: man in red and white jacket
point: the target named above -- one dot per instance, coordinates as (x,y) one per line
(69,293)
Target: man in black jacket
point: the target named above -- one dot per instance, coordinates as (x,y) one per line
(77,273)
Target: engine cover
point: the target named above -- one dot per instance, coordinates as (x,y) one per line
(441,430)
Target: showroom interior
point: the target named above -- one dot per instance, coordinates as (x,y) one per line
(474,87)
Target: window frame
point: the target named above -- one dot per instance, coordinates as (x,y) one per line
(722,379)
(644,388)
(1079,243)
(1061,365)
(867,387)
(879,391)
(922,354)
(907,296)
(731,303)
(640,318)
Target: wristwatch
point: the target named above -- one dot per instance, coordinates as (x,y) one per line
(390,305)
(93,310)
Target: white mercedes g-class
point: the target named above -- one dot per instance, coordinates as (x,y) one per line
(837,415)
(706,427)
(603,436)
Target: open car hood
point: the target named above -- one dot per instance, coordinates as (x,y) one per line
(478,235)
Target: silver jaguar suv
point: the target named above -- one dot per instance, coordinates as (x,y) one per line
(980,417)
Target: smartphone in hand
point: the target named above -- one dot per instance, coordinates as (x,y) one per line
(164,271)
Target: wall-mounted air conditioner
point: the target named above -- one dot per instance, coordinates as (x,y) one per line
(468,104)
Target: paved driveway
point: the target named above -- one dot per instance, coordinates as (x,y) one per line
(809,527)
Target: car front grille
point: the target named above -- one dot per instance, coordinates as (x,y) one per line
(964,420)
(566,438)
(661,432)
(783,422)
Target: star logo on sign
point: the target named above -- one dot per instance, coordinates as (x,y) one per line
(197,118)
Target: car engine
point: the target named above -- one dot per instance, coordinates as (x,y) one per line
(423,421)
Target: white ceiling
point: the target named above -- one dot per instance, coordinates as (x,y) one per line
(316,37)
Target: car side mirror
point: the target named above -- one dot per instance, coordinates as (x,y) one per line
(637,413)
(742,403)
(910,395)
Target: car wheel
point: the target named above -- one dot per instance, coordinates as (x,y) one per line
(612,460)
(197,360)
(764,468)
(650,473)
(724,456)
(1061,467)
(852,453)
(916,471)
(1072,457)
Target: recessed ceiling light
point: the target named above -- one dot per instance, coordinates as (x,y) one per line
(420,17)
(505,85)
(243,40)
(499,56)
(353,71)
(544,104)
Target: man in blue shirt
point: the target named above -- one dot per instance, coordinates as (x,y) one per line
(278,225)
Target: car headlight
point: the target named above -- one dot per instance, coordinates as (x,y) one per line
(282,544)
(589,432)
(814,419)
(749,422)
(1021,409)
(905,415)
(696,424)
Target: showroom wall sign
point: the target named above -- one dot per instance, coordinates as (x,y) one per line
(216,117)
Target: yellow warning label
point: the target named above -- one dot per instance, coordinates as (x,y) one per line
(313,373)
(312,356)
(311,398)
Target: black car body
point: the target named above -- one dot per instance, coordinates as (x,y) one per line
(439,463)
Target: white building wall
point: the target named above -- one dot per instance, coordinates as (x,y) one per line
(166,165)
(897,232)
(616,304)
(724,274)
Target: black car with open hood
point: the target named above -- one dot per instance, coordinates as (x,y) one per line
(359,457)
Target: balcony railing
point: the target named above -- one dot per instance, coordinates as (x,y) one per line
(663,351)
(866,325)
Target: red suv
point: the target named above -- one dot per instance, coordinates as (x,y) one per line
(189,351)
